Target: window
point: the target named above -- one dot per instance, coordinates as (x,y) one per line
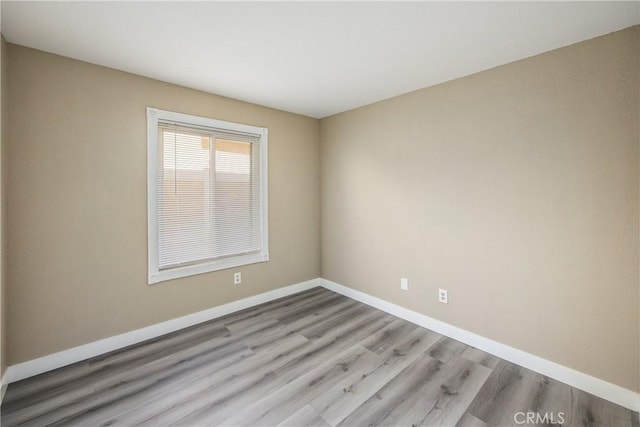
(207,194)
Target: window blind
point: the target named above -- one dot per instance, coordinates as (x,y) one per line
(209,194)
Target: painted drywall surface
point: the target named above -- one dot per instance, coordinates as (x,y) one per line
(516,189)
(77,197)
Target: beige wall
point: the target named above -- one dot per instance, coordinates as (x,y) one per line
(77,241)
(516,189)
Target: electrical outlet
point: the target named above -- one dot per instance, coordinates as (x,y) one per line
(443,296)
(237,278)
(404,284)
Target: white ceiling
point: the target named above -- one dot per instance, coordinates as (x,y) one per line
(315,59)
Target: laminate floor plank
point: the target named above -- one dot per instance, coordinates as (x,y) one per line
(328,346)
(508,390)
(194,390)
(445,402)
(211,400)
(337,403)
(447,350)
(589,410)
(274,309)
(469,420)
(264,340)
(403,393)
(315,358)
(480,357)
(299,311)
(280,405)
(344,310)
(222,400)
(305,417)
(317,327)
(512,389)
(387,337)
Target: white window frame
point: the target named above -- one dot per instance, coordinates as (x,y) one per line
(156,275)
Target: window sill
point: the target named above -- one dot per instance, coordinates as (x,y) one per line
(192,270)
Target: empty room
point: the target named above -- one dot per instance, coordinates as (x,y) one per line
(319,213)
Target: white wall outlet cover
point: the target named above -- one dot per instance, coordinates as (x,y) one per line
(237,278)
(443,296)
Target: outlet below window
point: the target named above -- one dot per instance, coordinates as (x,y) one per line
(443,296)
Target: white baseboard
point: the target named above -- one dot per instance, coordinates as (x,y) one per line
(606,390)
(96,348)
(3,386)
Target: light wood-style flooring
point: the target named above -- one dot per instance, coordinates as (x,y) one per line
(312,359)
